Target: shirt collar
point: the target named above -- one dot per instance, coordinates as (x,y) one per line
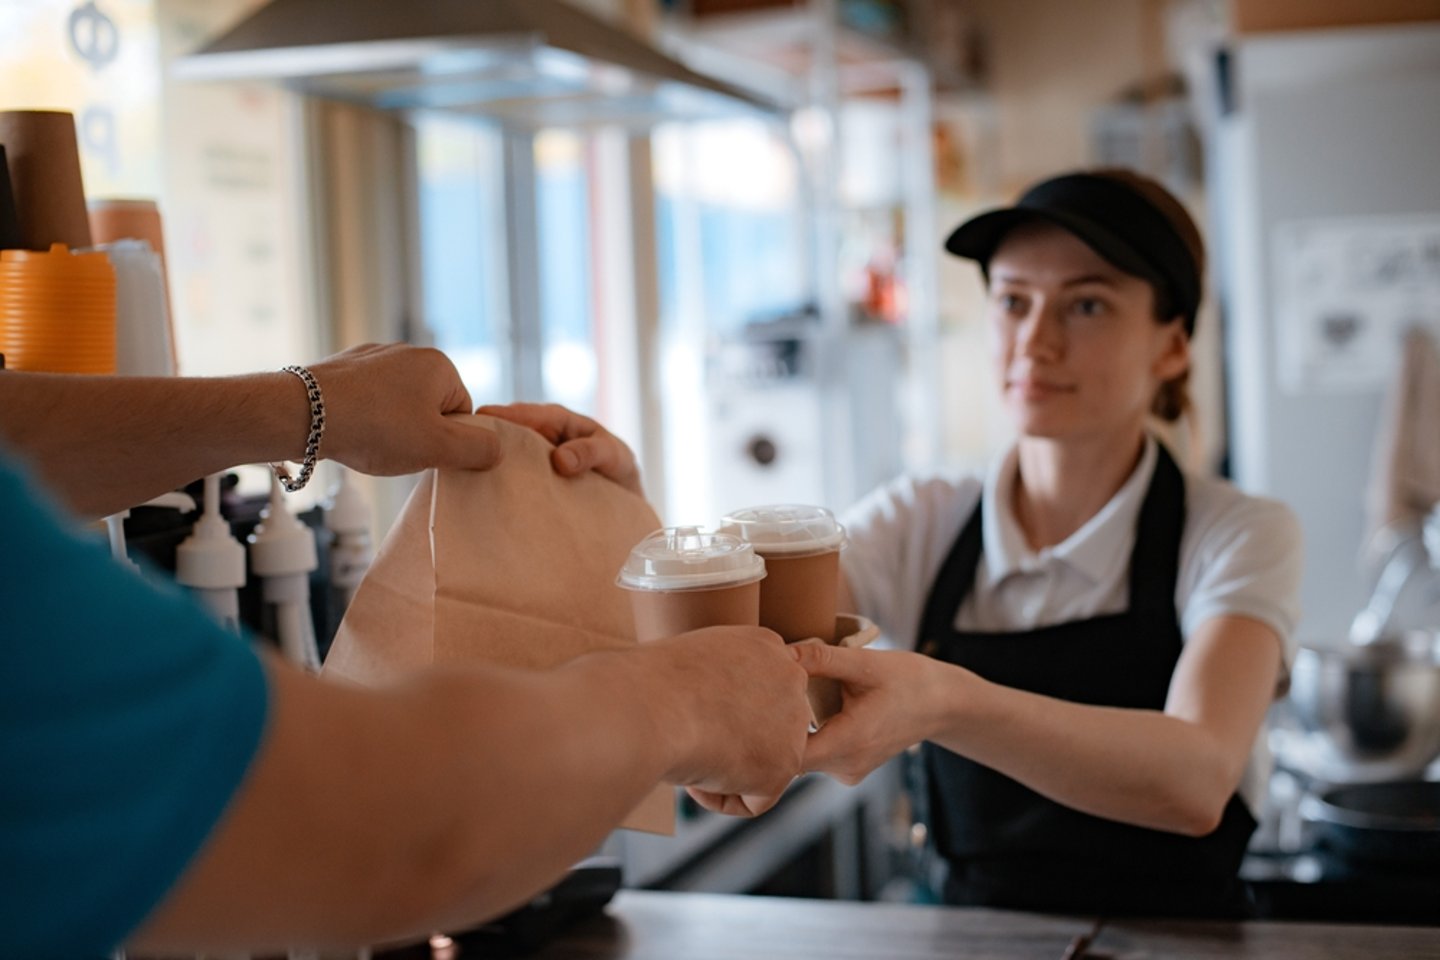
(1093,550)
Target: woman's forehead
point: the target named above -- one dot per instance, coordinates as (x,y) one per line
(1040,252)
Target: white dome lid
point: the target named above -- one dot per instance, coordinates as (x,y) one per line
(786,528)
(688,558)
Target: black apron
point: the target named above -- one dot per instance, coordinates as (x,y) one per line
(1007,846)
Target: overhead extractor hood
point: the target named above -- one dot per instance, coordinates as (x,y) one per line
(529,63)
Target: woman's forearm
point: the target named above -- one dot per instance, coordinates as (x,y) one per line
(1173,770)
(1138,766)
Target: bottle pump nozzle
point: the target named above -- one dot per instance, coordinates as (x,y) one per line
(211,562)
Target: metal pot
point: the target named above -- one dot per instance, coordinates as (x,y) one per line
(1389,822)
(1376,706)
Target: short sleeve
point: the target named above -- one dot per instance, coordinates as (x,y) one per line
(127,722)
(898,535)
(1245,559)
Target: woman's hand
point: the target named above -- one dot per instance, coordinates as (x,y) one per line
(889,698)
(581,444)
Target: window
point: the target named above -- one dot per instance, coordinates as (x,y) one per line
(462,256)
(567,293)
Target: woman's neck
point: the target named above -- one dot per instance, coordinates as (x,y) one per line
(1060,485)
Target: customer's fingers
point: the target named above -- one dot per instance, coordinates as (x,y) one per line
(468,446)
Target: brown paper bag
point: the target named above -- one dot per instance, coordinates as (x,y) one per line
(513,566)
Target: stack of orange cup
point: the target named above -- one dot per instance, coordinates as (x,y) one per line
(57,311)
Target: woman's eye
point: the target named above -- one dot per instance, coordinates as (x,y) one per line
(1088,307)
(1011,303)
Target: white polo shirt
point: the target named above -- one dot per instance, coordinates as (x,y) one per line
(1239,555)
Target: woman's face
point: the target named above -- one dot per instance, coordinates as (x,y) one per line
(1077,347)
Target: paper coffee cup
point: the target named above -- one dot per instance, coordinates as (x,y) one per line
(43,155)
(801,548)
(683,578)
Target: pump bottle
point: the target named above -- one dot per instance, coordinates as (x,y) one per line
(282,554)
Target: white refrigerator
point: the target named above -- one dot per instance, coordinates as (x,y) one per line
(1326,239)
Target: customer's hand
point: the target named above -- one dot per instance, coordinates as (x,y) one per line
(742,713)
(581,444)
(886,698)
(385,412)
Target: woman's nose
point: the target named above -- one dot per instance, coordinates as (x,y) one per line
(1040,334)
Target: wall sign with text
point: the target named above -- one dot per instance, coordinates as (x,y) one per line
(1346,291)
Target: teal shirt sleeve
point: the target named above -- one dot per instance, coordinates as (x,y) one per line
(127,721)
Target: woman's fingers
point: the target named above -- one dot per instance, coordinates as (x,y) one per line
(829,745)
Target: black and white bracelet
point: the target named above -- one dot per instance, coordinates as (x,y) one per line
(312,442)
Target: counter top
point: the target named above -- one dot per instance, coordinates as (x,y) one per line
(678,926)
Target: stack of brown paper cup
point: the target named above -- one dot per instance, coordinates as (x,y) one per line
(683,578)
(44,162)
(801,548)
(116,219)
(57,311)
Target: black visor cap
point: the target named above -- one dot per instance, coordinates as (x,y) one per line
(1113,219)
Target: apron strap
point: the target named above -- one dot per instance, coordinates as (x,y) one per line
(1155,560)
(953,583)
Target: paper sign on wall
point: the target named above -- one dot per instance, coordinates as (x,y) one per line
(1346,290)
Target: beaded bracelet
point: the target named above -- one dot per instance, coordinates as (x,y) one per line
(312,442)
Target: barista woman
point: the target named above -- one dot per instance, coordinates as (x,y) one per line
(1096,634)
(1090,636)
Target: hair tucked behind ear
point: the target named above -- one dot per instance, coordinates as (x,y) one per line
(1172,400)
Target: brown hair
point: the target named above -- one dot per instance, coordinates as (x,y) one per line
(1172,400)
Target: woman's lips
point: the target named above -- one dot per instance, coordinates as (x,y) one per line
(1030,389)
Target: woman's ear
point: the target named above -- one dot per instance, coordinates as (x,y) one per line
(1173,358)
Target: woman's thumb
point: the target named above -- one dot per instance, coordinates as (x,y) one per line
(820,660)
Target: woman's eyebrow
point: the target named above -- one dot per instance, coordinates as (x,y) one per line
(1006,276)
(1090,278)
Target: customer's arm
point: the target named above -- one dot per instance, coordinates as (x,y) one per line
(371,815)
(103,444)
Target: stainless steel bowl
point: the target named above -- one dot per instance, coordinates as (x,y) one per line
(1375,707)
